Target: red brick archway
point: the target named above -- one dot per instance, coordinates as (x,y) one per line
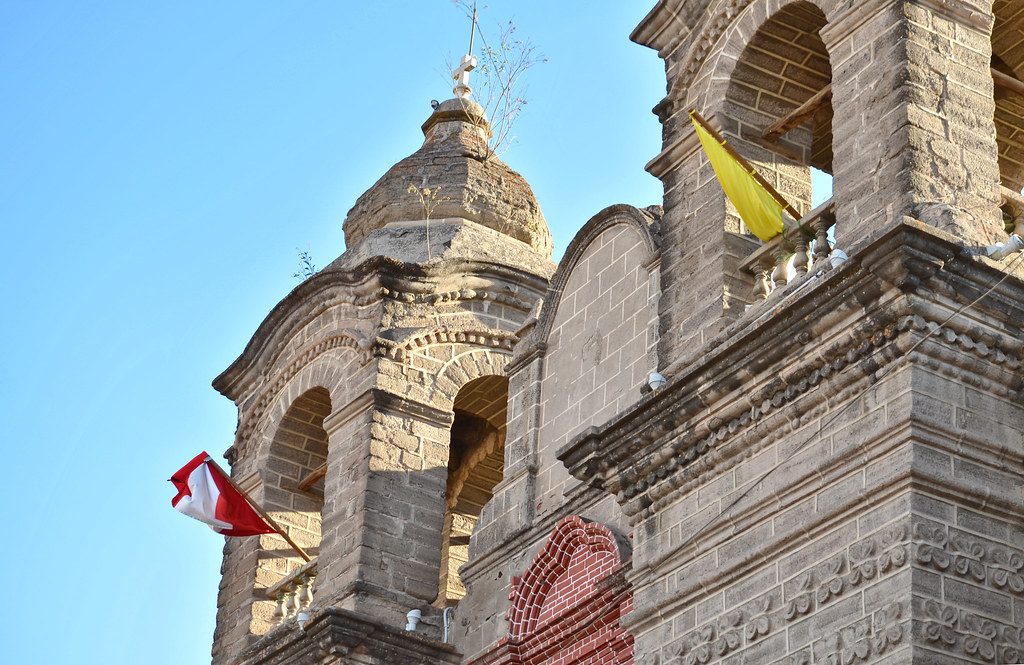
(567,605)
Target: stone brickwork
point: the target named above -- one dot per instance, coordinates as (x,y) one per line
(583,359)
(866,482)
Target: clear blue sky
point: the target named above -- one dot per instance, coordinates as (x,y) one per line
(159,165)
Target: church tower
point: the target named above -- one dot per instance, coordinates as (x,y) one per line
(371,408)
(683,446)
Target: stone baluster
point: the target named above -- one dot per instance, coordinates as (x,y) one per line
(780,274)
(294,595)
(799,258)
(305,594)
(821,225)
(762,280)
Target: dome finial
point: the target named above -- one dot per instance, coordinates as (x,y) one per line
(461,74)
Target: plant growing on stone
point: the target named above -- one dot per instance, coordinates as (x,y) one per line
(306,266)
(429,199)
(501,91)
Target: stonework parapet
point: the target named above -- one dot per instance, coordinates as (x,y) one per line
(334,636)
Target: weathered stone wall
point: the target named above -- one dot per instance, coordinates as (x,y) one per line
(849,490)
(909,130)
(584,360)
(1008,57)
(315,369)
(364,362)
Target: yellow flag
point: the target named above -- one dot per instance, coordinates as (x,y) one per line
(759,210)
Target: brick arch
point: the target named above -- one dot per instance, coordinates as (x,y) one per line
(576,555)
(567,608)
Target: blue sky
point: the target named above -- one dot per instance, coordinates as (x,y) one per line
(159,165)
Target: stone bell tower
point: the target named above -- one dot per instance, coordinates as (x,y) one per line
(834,471)
(372,408)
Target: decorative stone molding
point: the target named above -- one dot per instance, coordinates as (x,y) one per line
(401,351)
(952,629)
(249,418)
(333,634)
(457,296)
(708,32)
(865,561)
(996,566)
(688,449)
(729,633)
(656,478)
(862,640)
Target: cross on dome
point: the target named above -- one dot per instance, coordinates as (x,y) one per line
(461,74)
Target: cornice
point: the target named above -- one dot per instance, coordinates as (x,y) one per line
(368,284)
(333,633)
(664,27)
(672,156)
(403,406)
(866,315)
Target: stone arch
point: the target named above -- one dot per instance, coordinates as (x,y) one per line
(325,361)
(784,64)
(296,451)
(475,465)
(564,574)
(724,31)
(466,364)
(1008,58)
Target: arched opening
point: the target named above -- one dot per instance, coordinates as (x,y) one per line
(293,494)
(476,462)
(1008,60)
(778,105)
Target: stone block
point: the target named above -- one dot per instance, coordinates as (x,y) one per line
(824,621)
(809,555)
(977,599)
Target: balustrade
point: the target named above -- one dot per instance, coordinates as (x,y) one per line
(294,593)
(802,245)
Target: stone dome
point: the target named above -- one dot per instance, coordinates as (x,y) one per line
(475,184)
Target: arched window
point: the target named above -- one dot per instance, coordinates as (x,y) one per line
(293,494)
(778,104)
(1007,72)
(475,464)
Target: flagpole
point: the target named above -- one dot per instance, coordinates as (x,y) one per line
(267,518)
(744,163)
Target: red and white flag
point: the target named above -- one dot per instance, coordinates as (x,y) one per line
(205,494)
